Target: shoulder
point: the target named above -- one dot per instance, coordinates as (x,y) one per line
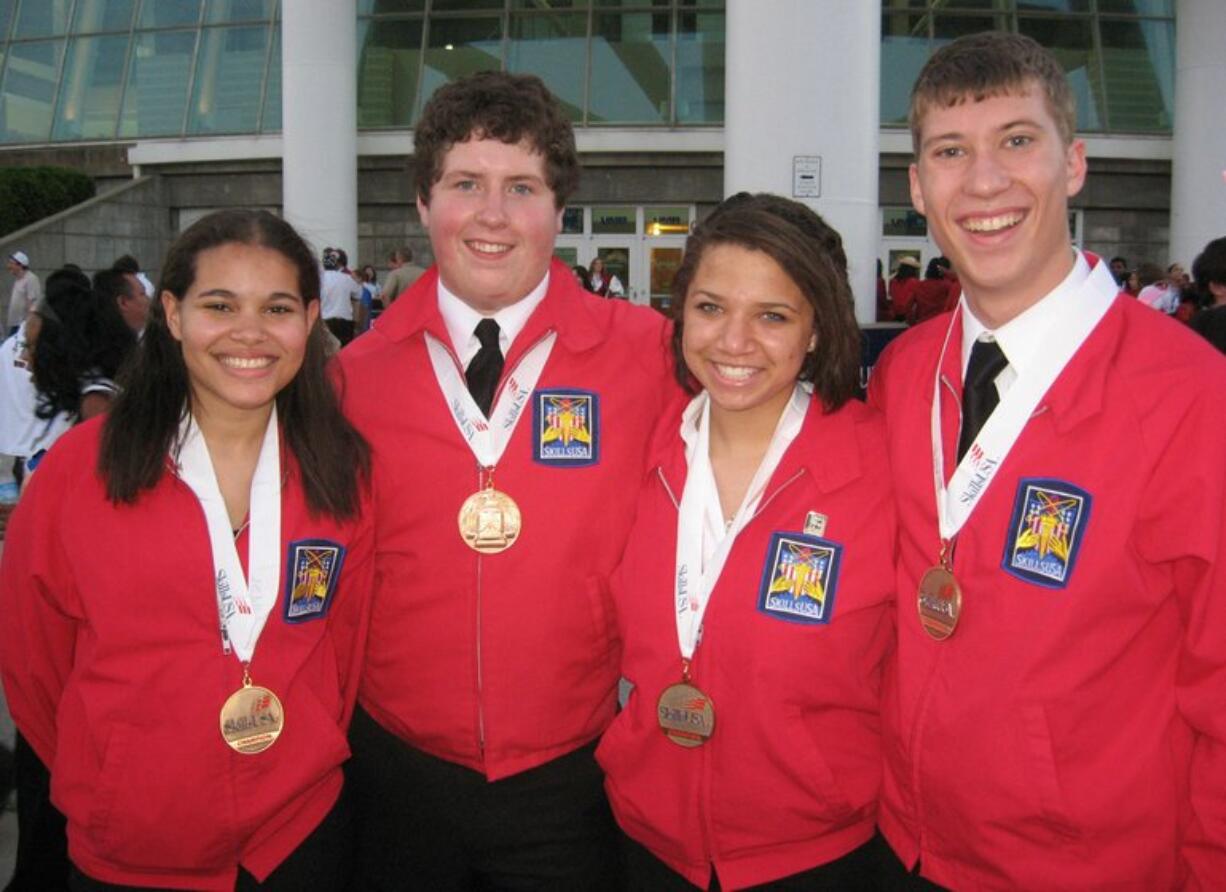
(74,456)
(1153,347)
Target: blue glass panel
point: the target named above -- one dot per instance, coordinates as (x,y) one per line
(90,88)
(167,13)
(270,122)
(1071,39)
(156,96)
(41,18)
(1138,7)
(700,68)
(223,11)
(6,17)
(554,48)
(102,15)
(30,78)
(904,50)
(1139,73)
(459,47)
(228,81)
(389,56)
(367,7)
(630,80)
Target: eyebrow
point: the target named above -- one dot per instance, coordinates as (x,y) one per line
(476,175)
(1003,128)
(225,292)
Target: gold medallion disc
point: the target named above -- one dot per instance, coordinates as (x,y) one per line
(252,719)
(939,602)
(489,521)
(686,715)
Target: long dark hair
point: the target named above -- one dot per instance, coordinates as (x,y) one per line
(811,253)
(333,458)
(81,335)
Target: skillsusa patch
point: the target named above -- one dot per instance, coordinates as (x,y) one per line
(565,428)
(311,573)
(800,579)
(1049,521)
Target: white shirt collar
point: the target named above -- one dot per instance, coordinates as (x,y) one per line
(461,320)
(1021,338)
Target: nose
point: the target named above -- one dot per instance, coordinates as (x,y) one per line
(988,176)
(734,333)
(248,327)
(493,208)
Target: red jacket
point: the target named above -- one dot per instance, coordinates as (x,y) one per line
(1070,734)
(114,672)
(501,662)
(789,779)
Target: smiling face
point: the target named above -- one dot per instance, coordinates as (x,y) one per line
(993,178)
(492,222)
(746,330)
(243,327)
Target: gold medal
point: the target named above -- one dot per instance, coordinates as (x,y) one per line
(489,521)
(252,718)
(686,715)
(939,602)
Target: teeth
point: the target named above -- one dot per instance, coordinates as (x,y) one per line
(735,372)
(240,362)
(992,224)
(489,248)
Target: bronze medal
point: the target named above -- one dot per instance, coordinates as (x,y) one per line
(251,719)
(489,521)
(939,602)
(686,715)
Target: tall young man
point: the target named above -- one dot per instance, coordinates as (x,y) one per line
(509,413)
(1055,717)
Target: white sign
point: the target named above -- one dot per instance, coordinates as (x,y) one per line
(806,176)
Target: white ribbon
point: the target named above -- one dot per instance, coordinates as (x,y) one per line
(703,542)
(243,603)
(977,469)
(488,439)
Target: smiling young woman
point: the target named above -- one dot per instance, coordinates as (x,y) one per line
(188,585)
(758,563)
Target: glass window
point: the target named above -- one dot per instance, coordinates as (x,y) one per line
(366,7)
(221,11)
(389,55)
(156,96)
(102,15)
(228,80)
(1056,6)
(1139,7)
(42,18)
(666,221)
(903,222)
(466,6)
(1071,40)
(550,4)
(700,68)
(1138,73)
(554,48)
(6,17)
(630,80)
(947,28)
(459,47)
(572,221)
(904,50)
(30,78)
(622,4)
(270,122)
(613,221)
(88,106)
(165,13)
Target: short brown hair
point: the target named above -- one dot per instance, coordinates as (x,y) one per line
(992,63)
(811,253)
(497,105)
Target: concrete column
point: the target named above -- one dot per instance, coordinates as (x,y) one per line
(802,80)
(1198,168)
(319,121)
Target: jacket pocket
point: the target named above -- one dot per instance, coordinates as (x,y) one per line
(600,610)
(1040,754)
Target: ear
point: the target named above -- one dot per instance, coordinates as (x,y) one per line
(1075,167)
(423,211)
(558,223)
(312,314)
(917,194)
(170,306)
(812,348)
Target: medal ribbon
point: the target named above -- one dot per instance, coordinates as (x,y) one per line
(243,603)
(488,439)
(700,508)
(996,438)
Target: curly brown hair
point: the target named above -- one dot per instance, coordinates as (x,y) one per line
(510,108)
(811,253)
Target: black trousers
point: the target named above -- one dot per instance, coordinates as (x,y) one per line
(425,823)
(342,328)
(323,862)
(860,870)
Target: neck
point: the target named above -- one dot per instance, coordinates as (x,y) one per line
(745,433)
(234,431)
(996,308)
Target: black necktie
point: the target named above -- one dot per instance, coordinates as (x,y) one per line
(486,368)
(979,395)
